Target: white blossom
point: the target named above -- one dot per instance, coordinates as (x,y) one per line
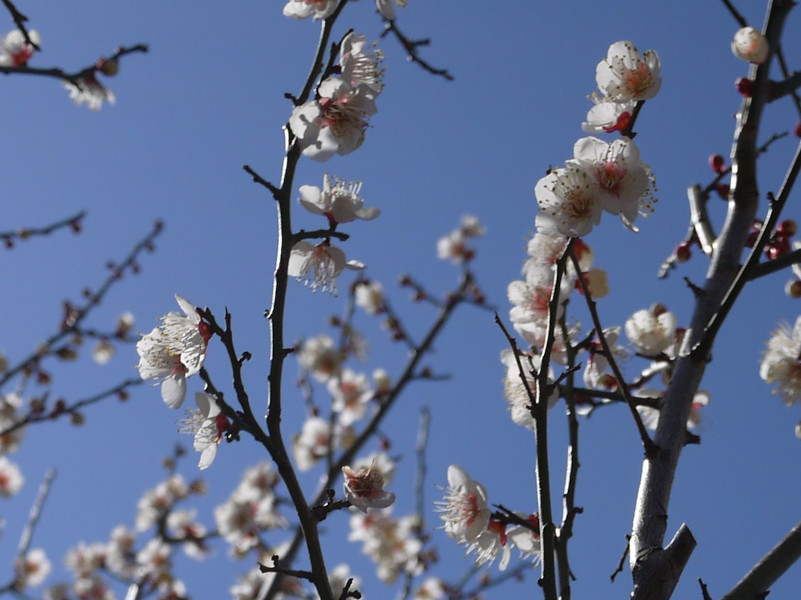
(750,45)
(626,74)
(652,331)
(338,200)
(174,351)
(318,266)
(781,363)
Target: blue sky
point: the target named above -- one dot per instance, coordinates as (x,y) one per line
(209,97)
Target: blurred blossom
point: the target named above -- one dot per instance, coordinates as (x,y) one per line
(103,352)
(781,364)
(320,357)
(88,90)
(652,331)
(31,569)
(15,50)
(301,9)
(11,478)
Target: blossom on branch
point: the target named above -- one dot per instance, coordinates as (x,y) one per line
(174,351)
(569,201)
(302,9)
(652,331)
(318,266)
(31,569)
(207,424)
(339,201)
(11,478)
(359,64)
(750,45)
(387,8)
(334,123)
(365,488)
(15,50)
(626,74)
(624,182)
(88,90)
(781,363)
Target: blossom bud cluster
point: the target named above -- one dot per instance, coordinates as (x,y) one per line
(335,121)
(351,396)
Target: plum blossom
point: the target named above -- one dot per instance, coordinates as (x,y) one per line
(88,90)
(351,392)
(515,392)
(15,50)
(31,569)
(626,74)
(207,424)
(464,509)
(183,526)
(750,45)
(320,357)
(317,438)
(365,488)
(454,246)
(597,362)
(781,363)
(335,122)
(526,539)
(359,63)
(624,182)
(318,266)
(652,331)
(569,201)
(369,295)
(432,588)
(391,543)
(607,116)
(103,352)
(301,9)
(650,415)
(174,351)
(11,478)
(339,201)
(387,8)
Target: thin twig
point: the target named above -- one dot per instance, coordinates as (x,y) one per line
(411,47)
(647,442)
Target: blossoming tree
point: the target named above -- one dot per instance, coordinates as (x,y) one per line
(326,460)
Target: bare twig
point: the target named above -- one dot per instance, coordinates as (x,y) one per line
(411,47)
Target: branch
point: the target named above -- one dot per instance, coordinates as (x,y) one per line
(767,571)
(411,47)
(647,442)
(24,233)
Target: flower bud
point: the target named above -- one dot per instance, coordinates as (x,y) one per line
(744,86)
(787,228)
(723,190)
(749,44)
(683,252)
(718,163)
(108,66)
(793,288)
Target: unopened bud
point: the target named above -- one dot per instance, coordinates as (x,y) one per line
(108,66)
(787,228)
(744,86)
(793,288)
(718,163)
(749,44)
(683,252)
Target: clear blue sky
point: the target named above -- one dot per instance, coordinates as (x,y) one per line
(209,97)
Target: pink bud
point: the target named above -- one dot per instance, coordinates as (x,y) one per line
(718,163)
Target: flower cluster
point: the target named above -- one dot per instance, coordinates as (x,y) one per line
(335,121)
(392,544)
(454,246)
(251,508)
(600,177)
(468,519)
(624,78)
